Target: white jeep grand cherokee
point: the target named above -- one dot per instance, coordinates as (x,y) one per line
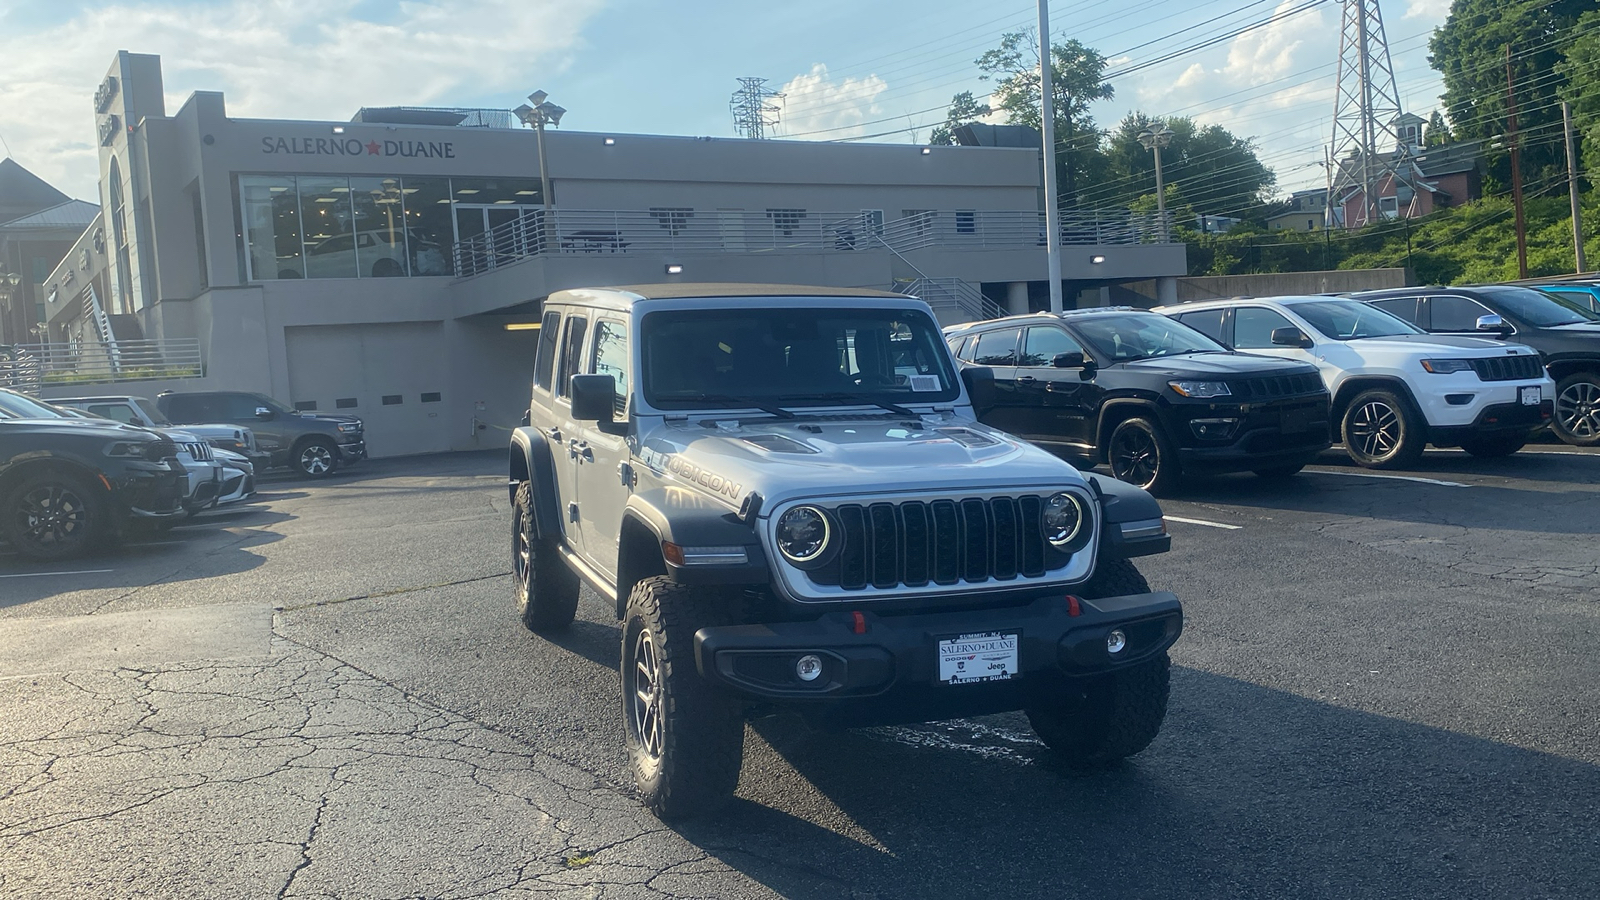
(1395,387)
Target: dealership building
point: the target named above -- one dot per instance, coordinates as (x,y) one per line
(392,265)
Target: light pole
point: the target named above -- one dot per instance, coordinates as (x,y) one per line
(1047,123)
(1155,137)
(537,115)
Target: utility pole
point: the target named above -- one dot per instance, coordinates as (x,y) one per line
(1366,105)
(1516,168)
(1052,215)
(752,114)
(1572,191)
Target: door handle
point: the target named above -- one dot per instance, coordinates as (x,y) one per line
(577,448)
(555,433)
(1026,379)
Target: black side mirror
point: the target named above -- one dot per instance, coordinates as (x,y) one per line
(1072,360)
(979,381)
(264,413)
(594,398)
(1291,337)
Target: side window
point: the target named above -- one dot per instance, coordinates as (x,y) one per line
(1253,326)
(1455,313)
(239,407)
(1044,343)
(957,344)
(1206,321)
(117,411)
(1402,307)
(611,358)
(571,354)
(545,363)
(997,348)
(183,409)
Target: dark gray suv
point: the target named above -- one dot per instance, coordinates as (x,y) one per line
(313,445)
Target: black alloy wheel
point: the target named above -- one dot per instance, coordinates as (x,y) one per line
(1139,453)
(315,458)
(644,695)
(1577,418)
(1381,431)
(54,517)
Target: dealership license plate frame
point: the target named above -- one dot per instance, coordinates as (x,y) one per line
(1297,420)
(1530,395)
(973,658)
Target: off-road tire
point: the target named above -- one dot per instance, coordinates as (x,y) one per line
(686,759)
(1576,399)
(545,589)
(1382,431)
(1279,472)
(1492,446)
(1101,720)
(81,508)
(1139,452)
(314,457)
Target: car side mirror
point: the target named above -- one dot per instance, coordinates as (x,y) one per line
(1493,322)
(263,413)
(1072,360)
(979,381)
(594,398)
(1290,336)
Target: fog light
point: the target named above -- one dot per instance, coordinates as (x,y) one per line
(808,667)
(1115,642)
(1214,429)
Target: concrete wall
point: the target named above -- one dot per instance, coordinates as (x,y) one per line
(1208,287)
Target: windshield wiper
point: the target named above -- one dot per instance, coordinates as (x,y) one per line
(842,397)
(751,402)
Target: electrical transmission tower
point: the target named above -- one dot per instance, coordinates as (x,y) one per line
(752,114)
(1366,147)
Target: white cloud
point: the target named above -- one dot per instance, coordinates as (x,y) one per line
(314,59)
(1275,51)
(1427,9)
(815,102)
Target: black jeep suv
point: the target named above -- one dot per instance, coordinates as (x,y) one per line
(1149,395)
(70,486)
(1564,330)
(313,445)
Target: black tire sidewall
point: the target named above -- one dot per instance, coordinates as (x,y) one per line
(546,593)
(98,530)
(1167,471)
(1565,436)
(1412,440)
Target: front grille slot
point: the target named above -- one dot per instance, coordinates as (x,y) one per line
(200,451)
(1270,386)
(885,545)
(1507,368)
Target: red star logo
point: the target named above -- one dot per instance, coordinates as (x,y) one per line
(373,148)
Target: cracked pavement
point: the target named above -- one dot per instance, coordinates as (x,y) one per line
(1384,689)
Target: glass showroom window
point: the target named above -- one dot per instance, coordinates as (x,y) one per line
(328,225)
(429,233)
(271,210)
(380,227)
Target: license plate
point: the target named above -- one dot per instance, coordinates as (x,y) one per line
(1530,395)
(968,658)
(1296,421)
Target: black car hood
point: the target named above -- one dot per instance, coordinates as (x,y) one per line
(81,427)
(1208,365)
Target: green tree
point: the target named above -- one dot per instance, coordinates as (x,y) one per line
(963,110)
(1436,132)
(1579,71)
(1217,171)
(1077,80)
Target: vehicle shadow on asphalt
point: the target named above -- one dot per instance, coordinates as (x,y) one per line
(1248,792)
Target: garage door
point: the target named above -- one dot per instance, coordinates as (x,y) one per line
(392,376)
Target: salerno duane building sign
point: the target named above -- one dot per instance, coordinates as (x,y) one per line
(350,146)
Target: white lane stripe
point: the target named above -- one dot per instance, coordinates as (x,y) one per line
(47,574)
(1393,478)
(1202,522)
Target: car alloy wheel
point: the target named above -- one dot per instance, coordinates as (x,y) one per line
(1375,430)
(1578,409)
(1135,457)
(644,695)
(316,459)
(53,516)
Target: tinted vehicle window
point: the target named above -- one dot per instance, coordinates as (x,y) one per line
(1042,344)
(1399,307)
(1207,321)
(996,348)
(150,410)
(1538,308)
(577,326)
(1129,336)
(956,346)
(117,411)
(1253,326)
(1581,296)
(1455,313)
(545,363)
(181,408)
(1348,320)
(611,358)
(240,406)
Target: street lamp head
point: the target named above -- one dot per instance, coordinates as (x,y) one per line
(538,97)
(1156,135)
(13,279)
(524,114)
(552,113)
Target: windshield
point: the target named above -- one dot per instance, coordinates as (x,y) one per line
(155,416)
(1539,309)
(27,407)
(1121,337)
(1349,320)
(741,356)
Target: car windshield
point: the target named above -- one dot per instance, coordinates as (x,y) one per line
(744,356)
(150,410)
(1350,320)
(1539,309)
(1120,337)
(27,407)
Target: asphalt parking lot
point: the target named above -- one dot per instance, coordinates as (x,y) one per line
(1387,687)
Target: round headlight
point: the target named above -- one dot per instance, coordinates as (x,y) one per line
(803,534)
(1064,518)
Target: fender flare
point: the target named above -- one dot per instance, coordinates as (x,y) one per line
(1116,405)
(1355,384)
(531,461)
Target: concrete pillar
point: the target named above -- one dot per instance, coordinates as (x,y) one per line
(1105,296)
(1167,290)
(1017,298)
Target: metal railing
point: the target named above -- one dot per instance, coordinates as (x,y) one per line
(1013,229)
(30,366)
(954,301)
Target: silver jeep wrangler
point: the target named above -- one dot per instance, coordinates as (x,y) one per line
(785,493)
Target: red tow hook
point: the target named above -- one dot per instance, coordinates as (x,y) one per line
(858,622)
(1074,607)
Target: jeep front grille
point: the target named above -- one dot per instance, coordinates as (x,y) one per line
(199,450)
(1508,368)
(944,542)
(1276,386)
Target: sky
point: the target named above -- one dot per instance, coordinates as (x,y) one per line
(849,70)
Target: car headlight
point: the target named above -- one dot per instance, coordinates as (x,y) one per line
(1064,520)
(804,535)
(349,427)
(1200,390)
(1447,366)
(128,449)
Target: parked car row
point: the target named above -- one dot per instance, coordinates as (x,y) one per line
(1266,384)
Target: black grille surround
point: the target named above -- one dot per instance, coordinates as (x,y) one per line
(908,545)
(1273,386)
(1508,368)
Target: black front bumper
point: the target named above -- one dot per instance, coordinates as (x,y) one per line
(1499,418)
(353,451)
(1273,433)
(886,669)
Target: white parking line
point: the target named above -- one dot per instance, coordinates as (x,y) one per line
(47,574)
(1415,478)
(1202,522)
